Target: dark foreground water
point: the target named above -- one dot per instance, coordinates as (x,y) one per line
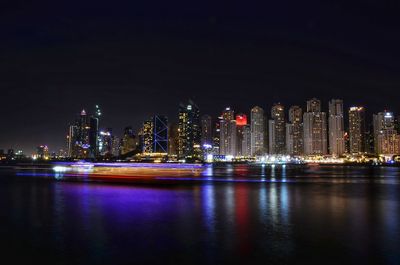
(322,215)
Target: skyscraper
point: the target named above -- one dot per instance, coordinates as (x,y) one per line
(116,146)
(216,136)
(148,141)
(277,131)
(336,128)
(79,136)
(294,131)
(160,132)
(83,135)
(381,121)
(357,130)
(94,133)
(71,141)
(189,130)
(386,138)
(257,125)
(314,129)
(232,138)
(155,135)
(388,142)
(206,130)
(173,140)
(129,141)
(227,137)
(106,142)
(246,141)
(241,122)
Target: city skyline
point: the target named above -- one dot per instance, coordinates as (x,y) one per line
(236,118)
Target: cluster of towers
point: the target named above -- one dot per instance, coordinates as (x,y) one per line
(311,132)
(85,139)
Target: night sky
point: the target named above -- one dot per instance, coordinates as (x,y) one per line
(139,58)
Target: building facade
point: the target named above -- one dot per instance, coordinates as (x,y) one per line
(129,141)
(246,141)
(189,131)
(241,122)
(227,141)
(357,130)
(336,128)
(155,135)
(386,138)
(294,131)
(206,130)
(277,130)
(257,125)
(315,129)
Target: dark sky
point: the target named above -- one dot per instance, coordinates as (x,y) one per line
(139,58)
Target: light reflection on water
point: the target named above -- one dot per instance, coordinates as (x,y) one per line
(323,214)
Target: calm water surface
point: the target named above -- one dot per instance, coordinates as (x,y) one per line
(235,215)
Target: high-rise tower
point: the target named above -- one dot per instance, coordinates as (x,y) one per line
(314,129)
(227,139)
(357,130)
(277,131)
(189,130)
(336,128)
(257,125)
(294,131)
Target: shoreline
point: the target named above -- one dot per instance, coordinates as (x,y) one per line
(5,164)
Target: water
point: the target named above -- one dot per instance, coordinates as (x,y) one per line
(321,215)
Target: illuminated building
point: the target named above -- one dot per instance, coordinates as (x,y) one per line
(381,121)
(357,130)
(277,131)
(206,130)
(232,138)
(227,139)
(257,125)
(79,137)
(94,133)
(71,140)
(116,146)
(155,134)
(129,141)
(336,128)
(246,141)
(173,140)
(160,133)
(347,142)
(387,140)
(43,152)
(216,136)
(93,137)
(148,136)
(105,142)
(294,131)
(397,124)
(314,129)
(241,121)
(83,136)
(189,131)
